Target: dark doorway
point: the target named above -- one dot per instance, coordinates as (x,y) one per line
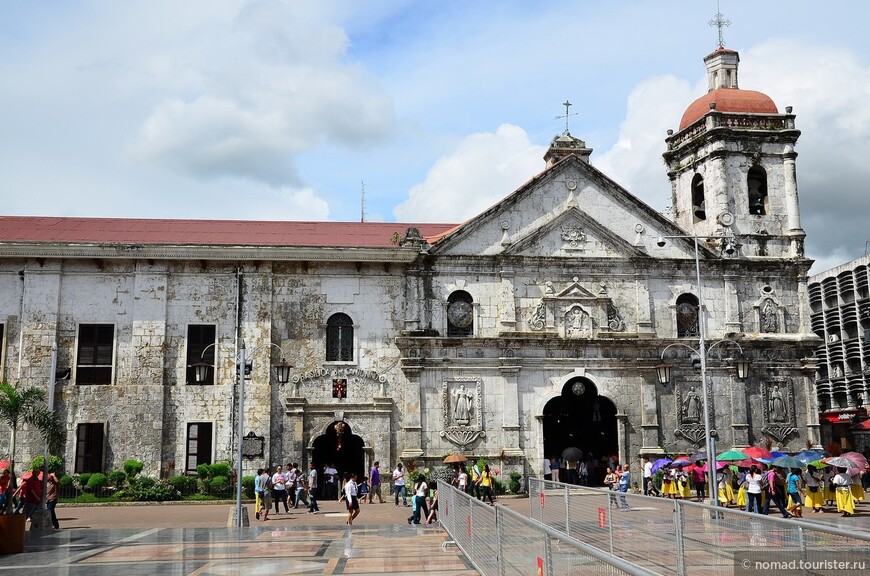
(340,447)
(580,418)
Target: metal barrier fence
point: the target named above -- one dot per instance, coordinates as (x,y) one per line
(679,537)
(501,542)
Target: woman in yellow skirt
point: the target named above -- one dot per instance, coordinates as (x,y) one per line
(814,498)
(828,492)
(683,486)
(669,484)
(723,487)
(845,501)
(856,488)
(741,492)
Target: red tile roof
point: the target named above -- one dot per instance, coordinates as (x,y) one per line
(39,229)
(728,100)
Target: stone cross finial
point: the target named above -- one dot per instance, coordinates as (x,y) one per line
(720,22)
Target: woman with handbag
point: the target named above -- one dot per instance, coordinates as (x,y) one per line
(814,497)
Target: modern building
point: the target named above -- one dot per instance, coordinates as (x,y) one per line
(533,327)
(840,312)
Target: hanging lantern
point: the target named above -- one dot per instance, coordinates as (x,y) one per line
(339,431)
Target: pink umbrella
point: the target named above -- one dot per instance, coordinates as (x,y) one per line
(857,458)
(719,466)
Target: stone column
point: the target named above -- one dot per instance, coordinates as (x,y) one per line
(791,194)
(622,435)
(412,299)
(508,303)
(510,411)
(812,405)
(732,306)
(649,418)
(739,414)
(643,306)
(412,441)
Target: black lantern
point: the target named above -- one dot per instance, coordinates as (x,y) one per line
(663,372)
(282,371)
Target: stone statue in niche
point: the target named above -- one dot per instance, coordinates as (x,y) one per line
(692,406)
(464,404)
(769,320)
(777,409)
(577,323)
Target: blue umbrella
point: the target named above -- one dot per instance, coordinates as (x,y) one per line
(808,456)
(680,462)
(778,454)
(660,463)
(787,462)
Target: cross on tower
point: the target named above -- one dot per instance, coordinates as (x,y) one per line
(567,104)
(720,22)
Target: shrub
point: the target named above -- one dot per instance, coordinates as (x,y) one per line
(202,471)
(219,484)
(152,491)
(97,482)
(55,464)
(219,469)
(184,484)
(84,478)
(65,481)
(132,467)
(117,478)
(248,486)
(498,486)
(143,483)
(515,482)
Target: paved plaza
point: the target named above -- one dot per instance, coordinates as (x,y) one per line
(192,540)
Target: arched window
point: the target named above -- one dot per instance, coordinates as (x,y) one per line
(756,182)
(699,210)
(460,314)
(339,338)
(687,316)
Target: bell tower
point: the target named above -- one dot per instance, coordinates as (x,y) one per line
(732,166)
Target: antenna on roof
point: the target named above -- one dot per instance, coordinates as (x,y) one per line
(720,22)
(362,201)
(567,104)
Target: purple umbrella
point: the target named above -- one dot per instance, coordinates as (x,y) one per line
(660,463)
(680,462)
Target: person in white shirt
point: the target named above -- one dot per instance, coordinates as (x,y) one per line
(399,484)
(279,490)
(843,488)
(330,474)
(647,477)
(350,497)
(753,490)
(462,480)
(420,508)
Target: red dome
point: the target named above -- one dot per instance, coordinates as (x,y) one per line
(729,100)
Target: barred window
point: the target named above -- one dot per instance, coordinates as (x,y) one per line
(339,338)
(199,442)
(687,316)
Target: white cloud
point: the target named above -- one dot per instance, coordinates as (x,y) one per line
(272,86)
(482,169)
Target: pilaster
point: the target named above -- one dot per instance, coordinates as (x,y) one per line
(510,411)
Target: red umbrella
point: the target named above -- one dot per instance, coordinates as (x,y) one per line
(4,464)
(750,463)
(756,452)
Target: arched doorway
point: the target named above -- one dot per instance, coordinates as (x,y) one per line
(580,418)
(338,446)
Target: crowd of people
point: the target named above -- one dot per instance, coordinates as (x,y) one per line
(26,497)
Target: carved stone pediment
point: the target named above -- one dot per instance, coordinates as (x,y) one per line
(575,312)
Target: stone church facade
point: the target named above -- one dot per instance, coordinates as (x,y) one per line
(535,326)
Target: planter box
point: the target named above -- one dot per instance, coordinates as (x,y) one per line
(12,533)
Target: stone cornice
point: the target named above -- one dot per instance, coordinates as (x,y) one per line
(218,253)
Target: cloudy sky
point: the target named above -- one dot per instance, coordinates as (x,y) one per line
(282,109)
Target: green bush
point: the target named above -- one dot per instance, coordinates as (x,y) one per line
(201,498)
(132,467)
(65,481)
(184,484)
(220,469)
(248,486)
(515,482)
(202,471)
(219,485)
(55,464)
(117,478)
(84,478)
(97,482)
(498,486)
(152,491)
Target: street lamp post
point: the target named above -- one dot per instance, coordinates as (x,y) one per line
(663,370)
(201,373)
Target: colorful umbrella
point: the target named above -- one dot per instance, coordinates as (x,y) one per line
(719,466)
(4,464)
(818,464)
(808,456)
(858,458)
(455,459)
(750,463)
(775,454)
(659,464)
(787,462)
(840,462)
(732,456)
(680,462)
(756,452)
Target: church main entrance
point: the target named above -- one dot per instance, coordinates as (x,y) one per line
(338,446)
(580,418)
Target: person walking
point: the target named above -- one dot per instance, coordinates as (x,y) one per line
(312,489)
(265,481)
(279,490)
(485,482)
(843,487)
(258,493)
(330,474)
(647,476)
(776,492)
(794,489)
(814,497)
(554,468)
(462,479)
(375,483)
(399,484)
(51,493)
(420,509)
(433,509)
(624,483)
(700,478)
(753,490)
(350,497)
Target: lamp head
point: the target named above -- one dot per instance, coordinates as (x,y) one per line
(730,249)
(661,242)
